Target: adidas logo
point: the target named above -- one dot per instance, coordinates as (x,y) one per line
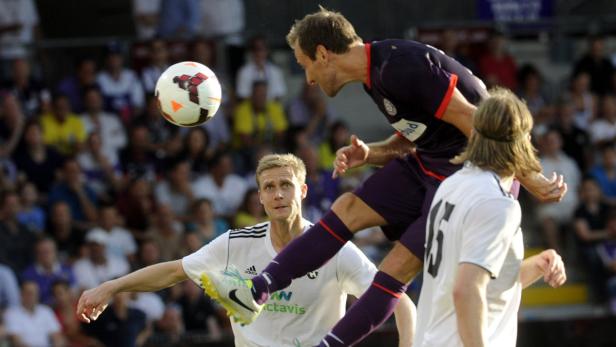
(251,271)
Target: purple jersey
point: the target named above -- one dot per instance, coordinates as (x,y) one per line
(412,84)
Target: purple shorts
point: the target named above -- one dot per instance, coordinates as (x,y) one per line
(401,192)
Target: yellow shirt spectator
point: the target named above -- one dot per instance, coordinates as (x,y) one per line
(65,136)
(261,126)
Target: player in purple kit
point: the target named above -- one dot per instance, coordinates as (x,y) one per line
(429,98)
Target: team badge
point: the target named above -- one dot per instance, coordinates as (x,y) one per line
(389,107)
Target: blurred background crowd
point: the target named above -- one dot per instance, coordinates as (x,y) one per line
(94,183)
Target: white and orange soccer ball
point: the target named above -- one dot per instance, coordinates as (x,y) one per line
(188,94)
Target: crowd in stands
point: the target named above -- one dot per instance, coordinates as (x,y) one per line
(94,183)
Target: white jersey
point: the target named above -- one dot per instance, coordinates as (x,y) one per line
(472,220)
(299,315)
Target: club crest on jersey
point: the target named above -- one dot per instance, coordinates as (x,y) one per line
(389,107)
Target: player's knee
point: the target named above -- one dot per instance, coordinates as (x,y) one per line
(355,213)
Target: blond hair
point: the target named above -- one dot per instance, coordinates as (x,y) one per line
(272,161)
(500,139)
(324,27)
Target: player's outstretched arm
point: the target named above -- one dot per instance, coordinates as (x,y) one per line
(152,278)
(544,189)
(547,264)
(359,153)
(406,317)
(469,297)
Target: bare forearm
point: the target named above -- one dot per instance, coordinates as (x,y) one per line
(406,316)
(529,272)
(151,278)
(384,151)
(471,312)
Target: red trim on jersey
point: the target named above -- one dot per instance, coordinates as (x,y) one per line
(453,80)
(368,79)
(426,171)
(392,293)
(329,230)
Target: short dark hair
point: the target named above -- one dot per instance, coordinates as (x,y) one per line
(324,27)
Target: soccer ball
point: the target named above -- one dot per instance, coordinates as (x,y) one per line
(188,94)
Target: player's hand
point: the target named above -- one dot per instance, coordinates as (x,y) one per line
(551,265)
(544,189)
(93,302)
(350,156)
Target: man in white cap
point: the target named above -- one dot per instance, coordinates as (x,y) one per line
(98,266)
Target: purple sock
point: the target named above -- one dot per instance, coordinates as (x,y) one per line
(368,313)
(306,253)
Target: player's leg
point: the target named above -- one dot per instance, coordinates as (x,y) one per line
(398,268)
(389,196)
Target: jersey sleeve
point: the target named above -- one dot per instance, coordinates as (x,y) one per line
(417,79)
(211,256)
(487,233)
(354,270)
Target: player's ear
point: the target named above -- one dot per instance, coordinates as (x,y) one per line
(304,189)
(260,199)
(321,53)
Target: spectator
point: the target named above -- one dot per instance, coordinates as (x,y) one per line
(74,86)
(338,137)
(181,20)
(221,186)
(63,129)
(204,223)
(197,150)
(170,328)
(605,172)
(12,122)
(159,62)
(590,224)
(198,312)
(260,69)
(32,324)
(251,211)
(607,253)
(576,141)
(584,101)
(603,129)
(149,253)
(9,290)
(452,47)
(553,216)
(15,239)
(61,228)
(177,190)
(138,159)
(257,120)
(309,111)
(161,132)
(121,326)
(18,25)
(596,64)
(31,214)
(107,125)
(34,157)
(323,189)
(146,17)
(102,172)
(47,269)
(76,192)
(136,205)
(120,86)
(531,83)
(167,233)
(121,242)
(99,266)
(64,304)
(497,67)
(30,92)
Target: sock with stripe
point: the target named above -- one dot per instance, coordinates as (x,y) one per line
(368,313)
(306,253)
